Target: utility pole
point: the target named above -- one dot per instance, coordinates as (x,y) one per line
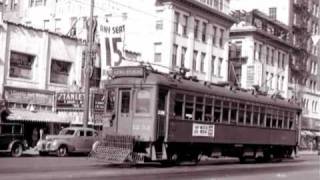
(88,68)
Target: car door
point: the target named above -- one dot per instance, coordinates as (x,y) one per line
(79,141)
(89,140)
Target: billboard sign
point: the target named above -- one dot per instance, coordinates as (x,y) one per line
(111,36)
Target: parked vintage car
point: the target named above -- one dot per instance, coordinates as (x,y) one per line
(69,140)
(12,139)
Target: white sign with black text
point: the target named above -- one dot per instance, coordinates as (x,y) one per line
(111,44)
(203,130)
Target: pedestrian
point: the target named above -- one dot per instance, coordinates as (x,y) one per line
(41,132)
(34,137)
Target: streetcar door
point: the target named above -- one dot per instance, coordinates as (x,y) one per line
(124,120)
(162,112)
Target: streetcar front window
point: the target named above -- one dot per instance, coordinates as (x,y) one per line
(111,95)
(143,101)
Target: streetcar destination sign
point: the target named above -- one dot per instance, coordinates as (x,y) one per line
(128,72)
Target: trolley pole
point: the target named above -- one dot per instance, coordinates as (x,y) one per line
(88,68)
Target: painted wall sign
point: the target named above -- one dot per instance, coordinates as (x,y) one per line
(202,130)
(28,96)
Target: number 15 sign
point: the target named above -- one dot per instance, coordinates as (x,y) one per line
(111,44)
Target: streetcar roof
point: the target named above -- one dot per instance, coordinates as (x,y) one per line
(153,78)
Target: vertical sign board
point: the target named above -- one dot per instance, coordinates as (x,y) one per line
(111,43)
(98,105)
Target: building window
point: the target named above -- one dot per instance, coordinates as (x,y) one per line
(183,56)
(21,65)
(204,32)
(267,55)
(255,51)
(219,66)
(273,13)
(174,55)
(196,28)
(203,56)
(221,42)
(272,57)
(283,59)
(157,52)
(13,4)
(214,35)
(185,25)
(57,25)
(260,52)
(216,4)
(271,81)
(46,24)
(212,65)
(34,3)
(176,22)
(194,60)
(60,71)
(266,80)
(159,24)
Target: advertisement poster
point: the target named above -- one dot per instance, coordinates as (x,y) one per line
(112,37)
(202,130)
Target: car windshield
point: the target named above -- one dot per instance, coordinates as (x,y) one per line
(66,132)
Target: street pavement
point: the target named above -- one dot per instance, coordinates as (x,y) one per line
(36,168)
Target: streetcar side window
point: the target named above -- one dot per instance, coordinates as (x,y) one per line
(143,104)
(248,114)
(268,118)
(286,120)
(234,112)
(208,110)
(280,119)
(291,120)
(274,119)
(199,109)
(262,116)
(217,111)
(225,111)
(189,107)
(256,115)
(241,113)
(178,106)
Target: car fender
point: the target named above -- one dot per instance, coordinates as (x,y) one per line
(59,143)
(14,142)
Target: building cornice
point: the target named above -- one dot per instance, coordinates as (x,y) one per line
(256,31)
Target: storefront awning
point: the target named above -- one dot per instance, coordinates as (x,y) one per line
(38,116)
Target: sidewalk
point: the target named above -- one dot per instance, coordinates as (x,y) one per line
(308,152)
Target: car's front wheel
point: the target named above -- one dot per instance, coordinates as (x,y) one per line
(16,150)
(62,151)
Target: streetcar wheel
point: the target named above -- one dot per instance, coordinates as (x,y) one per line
(62,151)
(16,150)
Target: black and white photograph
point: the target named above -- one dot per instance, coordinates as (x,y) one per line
(159,89)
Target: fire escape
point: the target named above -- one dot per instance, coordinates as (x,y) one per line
(302,35)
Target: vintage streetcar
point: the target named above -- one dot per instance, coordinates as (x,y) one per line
(152,116)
